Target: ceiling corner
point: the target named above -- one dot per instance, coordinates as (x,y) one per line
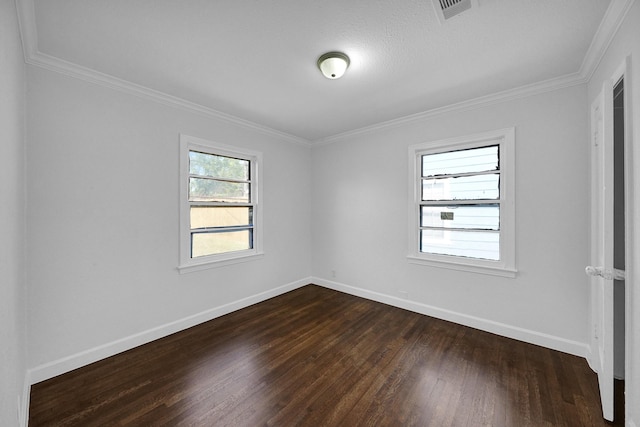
(28,31)
(615,14)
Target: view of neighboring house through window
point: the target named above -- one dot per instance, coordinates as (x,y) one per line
(220,202)
(462,208)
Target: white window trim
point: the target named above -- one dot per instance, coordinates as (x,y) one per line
(505,267)
(188,264)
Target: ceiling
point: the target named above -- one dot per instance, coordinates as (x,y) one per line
(256,59)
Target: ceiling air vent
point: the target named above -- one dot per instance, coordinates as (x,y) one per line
(447,9)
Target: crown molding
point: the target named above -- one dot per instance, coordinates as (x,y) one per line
(613,18)
(471,104)
(609,26)
(77,71)
(28,32)
(27,25)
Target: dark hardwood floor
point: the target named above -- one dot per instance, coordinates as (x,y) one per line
(316,357)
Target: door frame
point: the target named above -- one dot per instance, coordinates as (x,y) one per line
(622,72)
(601,245)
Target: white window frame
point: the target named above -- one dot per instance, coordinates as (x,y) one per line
(505,266)
(187,263)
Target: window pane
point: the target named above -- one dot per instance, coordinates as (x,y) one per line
(211,190)
(218,166)
(210,217)
(478,217)
(462,188)
(216,243)
(462,161)
(471,244)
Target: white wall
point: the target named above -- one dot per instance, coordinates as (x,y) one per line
(627,43)
(360,221)
(103,221)
(12,224)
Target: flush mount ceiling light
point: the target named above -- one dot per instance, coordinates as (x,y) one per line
(333,64)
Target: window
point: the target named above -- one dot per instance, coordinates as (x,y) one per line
(219,209)
(462,203)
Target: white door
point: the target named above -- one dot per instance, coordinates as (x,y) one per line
(601,269)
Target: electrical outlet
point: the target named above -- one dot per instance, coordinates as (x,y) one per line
(404,294)
(333,274)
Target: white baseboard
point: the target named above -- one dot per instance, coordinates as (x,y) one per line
(592,359)
(74,361)
(509,331)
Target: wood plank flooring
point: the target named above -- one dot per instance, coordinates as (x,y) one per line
(317,357)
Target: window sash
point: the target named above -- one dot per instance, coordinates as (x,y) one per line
(225,243)
(472,167)
(208,217)
(194,164)
(479,225)
(232,187)
(478,244)
(461,187)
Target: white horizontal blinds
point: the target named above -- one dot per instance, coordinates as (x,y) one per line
(220,203)
(460,203)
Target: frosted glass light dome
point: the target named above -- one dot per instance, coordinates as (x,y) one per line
(333,64)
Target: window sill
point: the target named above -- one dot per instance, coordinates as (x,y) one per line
(205,264)
(493,270)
